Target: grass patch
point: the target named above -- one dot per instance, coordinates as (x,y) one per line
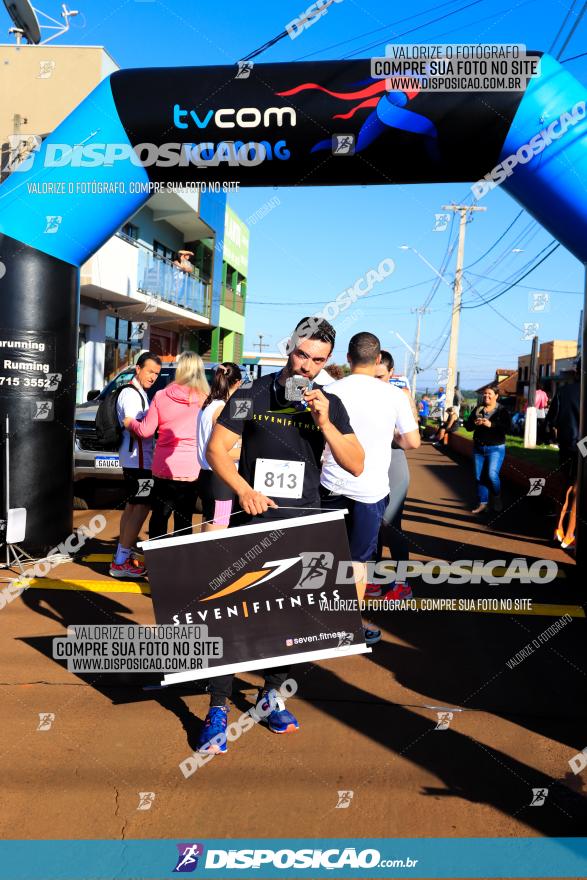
(544,456)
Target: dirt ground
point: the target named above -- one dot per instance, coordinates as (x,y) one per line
(368,723)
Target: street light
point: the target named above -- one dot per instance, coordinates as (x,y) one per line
(421,311)
(408,348)
(407,247)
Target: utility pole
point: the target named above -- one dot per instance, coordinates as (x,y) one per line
(464,211)
(260,345)
(420,311)
(530,420)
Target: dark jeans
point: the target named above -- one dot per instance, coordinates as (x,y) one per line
(177,497)
(488,462)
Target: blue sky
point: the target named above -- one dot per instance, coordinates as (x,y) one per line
(317,242)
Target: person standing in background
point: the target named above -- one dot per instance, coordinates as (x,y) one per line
(489,422)
(391,533)
(216,496)
(135,456)
(441,400)
(378,411)
(423,410)
(174,413)
(541,404)
(183,262)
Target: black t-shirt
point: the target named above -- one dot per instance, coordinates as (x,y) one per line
(500,425)
(282,430)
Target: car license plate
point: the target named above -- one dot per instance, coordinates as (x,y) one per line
(107,461)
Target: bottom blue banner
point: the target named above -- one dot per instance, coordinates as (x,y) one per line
(283,858)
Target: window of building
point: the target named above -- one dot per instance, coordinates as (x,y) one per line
(519,374)
(122,345)
(129,230)
(161,250)
(163,342)
(525,374)
(540,369)
(547,370)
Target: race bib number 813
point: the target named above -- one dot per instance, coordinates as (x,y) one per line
(278,478)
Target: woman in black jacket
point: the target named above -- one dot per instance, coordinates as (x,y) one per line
(489,422)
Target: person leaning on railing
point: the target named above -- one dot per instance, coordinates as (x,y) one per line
(489,422)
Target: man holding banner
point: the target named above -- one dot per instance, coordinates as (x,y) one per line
(284,424)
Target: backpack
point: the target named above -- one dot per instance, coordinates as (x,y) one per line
(108,427)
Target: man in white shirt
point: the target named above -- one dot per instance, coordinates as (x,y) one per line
(376,411)
(135,456)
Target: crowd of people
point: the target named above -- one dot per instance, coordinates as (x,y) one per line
(346,437)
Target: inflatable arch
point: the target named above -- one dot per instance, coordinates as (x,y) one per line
(274,126)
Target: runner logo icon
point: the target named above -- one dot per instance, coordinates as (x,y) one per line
(188,855)
(315,568)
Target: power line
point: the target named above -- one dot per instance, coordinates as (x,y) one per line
(418,27)
(572,31)
(486,302)
(492,307)
(450,246)
(491,17)
(516,275)
(280,36)
(375,30)
(561,28)
(517,217)
(529,286)
(497,240)
(573,57)
(321,302)
(442,347)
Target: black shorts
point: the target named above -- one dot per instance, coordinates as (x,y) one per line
(212,489)
(138,483)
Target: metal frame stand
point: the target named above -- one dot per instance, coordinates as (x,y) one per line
(15,555)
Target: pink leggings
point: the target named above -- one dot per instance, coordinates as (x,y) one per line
(222,511)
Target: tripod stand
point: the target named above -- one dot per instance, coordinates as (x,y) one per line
(15,517)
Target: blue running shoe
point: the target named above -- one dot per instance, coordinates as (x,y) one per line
(271,709)
(212,739)
(372,635)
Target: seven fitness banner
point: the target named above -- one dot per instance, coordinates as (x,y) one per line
(271,602)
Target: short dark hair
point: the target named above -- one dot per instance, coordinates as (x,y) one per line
(313,327)
(335,371)
(364,348)
(491,387)
(387,360)
(147,356)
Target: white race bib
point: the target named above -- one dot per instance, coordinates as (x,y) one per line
(278,478)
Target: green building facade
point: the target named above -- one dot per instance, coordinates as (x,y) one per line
(228,335)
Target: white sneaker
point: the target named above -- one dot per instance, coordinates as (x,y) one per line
(481,508)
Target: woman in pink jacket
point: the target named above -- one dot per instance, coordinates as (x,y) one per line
(174,414)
